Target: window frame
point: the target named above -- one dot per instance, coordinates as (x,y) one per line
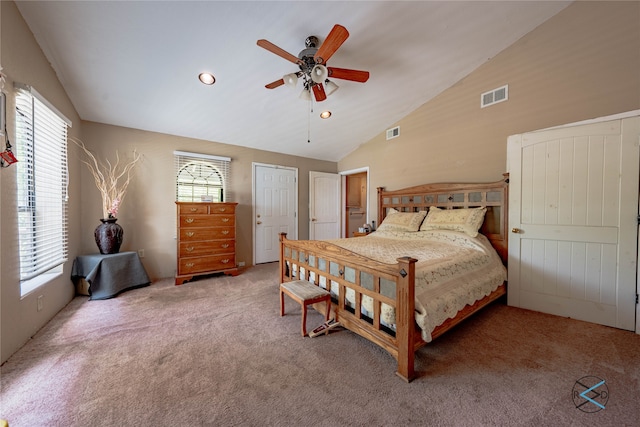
(41,190)
(214,190)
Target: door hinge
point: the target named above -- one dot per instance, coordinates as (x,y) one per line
(636,298)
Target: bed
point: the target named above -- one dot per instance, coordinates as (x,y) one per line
(437,257)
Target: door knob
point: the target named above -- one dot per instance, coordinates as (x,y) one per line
(516,230)
(259,222)
(313,219)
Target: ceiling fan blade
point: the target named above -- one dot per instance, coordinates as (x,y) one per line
(275,84)
(266,44)
(318,91)
(346,74)
(334,40)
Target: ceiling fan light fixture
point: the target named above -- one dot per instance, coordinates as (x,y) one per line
(330,87)
(305,94)
(319,73)
(207,78)
(290,80)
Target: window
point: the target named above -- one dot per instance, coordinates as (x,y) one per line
(41,147)
(201,177)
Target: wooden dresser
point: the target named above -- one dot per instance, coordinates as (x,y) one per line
(206,239)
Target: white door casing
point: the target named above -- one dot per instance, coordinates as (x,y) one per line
(275,205)
(573,207)
(324,205)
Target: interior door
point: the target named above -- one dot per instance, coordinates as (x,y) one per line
(324,205)
(573,208)
(275,205)
(356,202)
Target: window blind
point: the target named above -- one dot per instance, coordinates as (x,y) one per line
(41,147)
(201,176)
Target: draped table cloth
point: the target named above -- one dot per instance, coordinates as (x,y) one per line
(109,275)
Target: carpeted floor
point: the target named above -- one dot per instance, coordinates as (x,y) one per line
(215,352)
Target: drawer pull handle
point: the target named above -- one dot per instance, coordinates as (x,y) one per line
(194,209)
(225,219)
(189,264)
(189,249)
(225,261)
(188,220)
(190,233)
(226,245)
(222,209)
(225,231)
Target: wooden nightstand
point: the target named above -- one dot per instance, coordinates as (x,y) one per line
(359,234)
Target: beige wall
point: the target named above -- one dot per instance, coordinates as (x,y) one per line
(148,213)
(24,62)
(582,63)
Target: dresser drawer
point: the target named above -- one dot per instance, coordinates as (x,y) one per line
(211,247)
(187,221)
(219,208)
(206,263)
(195,234)
(192,208)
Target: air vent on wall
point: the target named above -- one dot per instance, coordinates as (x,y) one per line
(494,96)
(393,133)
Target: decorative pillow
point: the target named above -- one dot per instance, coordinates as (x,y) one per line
(466,220)
(402,221)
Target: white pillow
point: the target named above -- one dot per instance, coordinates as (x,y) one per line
(466,220)
(402,221)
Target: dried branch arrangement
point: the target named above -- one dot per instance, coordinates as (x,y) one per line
(111,179)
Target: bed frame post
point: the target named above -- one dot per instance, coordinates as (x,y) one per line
(381,210)
(405,317)
(283,262)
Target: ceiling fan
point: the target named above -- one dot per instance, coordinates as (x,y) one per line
(313,69)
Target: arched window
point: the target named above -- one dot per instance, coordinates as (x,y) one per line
(201,177)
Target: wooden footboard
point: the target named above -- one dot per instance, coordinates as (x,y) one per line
(336,269)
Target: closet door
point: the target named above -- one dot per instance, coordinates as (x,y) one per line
(573,209)
(324,205)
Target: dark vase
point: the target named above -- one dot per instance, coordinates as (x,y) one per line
(108,236)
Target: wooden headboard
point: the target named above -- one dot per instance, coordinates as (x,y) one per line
(493,196)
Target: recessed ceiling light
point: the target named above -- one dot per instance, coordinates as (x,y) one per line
(325,114)
(207,78)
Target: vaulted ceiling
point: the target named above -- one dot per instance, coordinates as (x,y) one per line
(136,64)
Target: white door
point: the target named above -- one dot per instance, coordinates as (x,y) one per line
(573,207)
(324,206)
(275,204)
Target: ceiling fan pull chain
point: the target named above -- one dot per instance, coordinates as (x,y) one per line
(309,127)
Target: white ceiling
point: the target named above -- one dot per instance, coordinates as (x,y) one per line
(135,64)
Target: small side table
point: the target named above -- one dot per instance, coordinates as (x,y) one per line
(360,234)
(108,275)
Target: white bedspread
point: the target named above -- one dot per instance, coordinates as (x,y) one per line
(453,270)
